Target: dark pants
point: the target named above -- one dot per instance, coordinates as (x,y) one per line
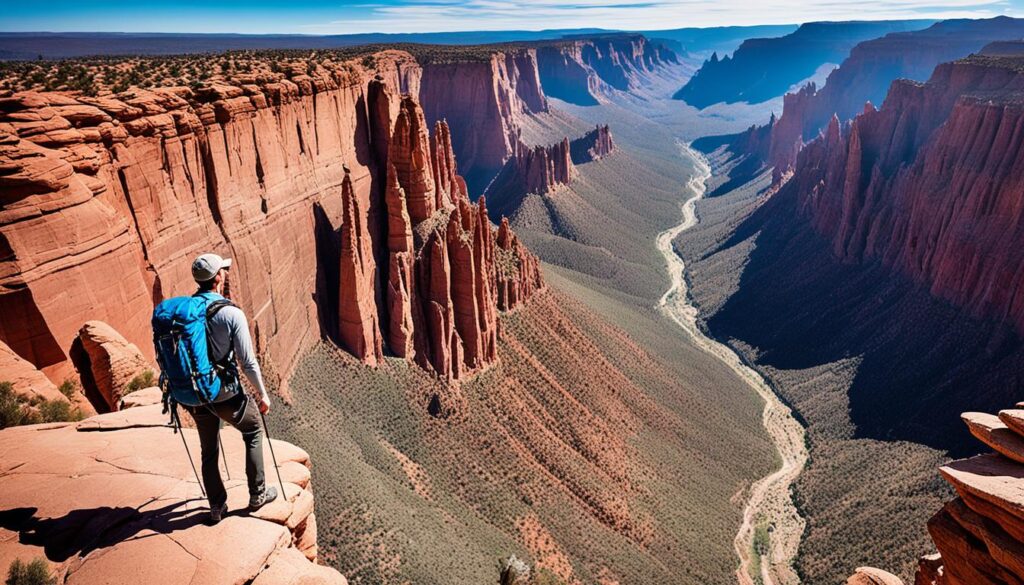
(241,412)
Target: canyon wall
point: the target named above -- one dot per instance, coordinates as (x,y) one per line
(930,185)
(483,99)
(581,71)
(107,199)
(866,74)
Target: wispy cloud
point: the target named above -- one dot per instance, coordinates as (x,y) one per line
(456,15)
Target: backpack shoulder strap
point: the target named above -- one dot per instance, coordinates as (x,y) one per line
(212,308)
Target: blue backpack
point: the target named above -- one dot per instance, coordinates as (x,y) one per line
(180,336)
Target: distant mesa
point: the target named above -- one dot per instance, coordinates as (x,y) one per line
(582,71)
(765,68)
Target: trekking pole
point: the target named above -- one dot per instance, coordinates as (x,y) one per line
(272,456)
(177,422)
(223,455)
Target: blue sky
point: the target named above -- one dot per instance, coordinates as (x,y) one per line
(325,17)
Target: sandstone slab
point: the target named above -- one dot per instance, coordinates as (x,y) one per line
(120,505)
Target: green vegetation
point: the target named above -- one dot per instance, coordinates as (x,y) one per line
(36,572)
(146,379)
(16,411)
(759,547)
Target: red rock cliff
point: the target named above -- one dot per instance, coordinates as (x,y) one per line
(931,185)
(483,100)
(107,199)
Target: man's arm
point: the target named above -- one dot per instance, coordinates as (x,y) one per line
(244,353)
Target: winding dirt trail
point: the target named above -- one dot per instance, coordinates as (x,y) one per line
(769,504)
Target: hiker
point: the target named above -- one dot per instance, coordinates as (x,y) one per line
(199,339)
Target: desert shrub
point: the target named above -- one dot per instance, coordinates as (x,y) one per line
(546,577)
(70,388)
(57,411)
(15,411)
(36,572)
(145,379)
(12,411)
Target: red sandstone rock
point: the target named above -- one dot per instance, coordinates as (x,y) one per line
(358,328)
(518,270)
(930,186)
(136,514)
(136,185)
(410,154)
(484,103)
(872,576)
(930,570)
(990,430)
(107,362)
(29,384)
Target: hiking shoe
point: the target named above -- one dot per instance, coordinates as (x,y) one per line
(217,513)
(258,501)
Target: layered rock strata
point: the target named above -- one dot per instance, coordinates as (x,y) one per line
(980,534)
(107,199)
(930,185)
(484,101)
(866,74)
(581,71)
(137,514)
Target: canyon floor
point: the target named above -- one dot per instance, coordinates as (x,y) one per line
(422,482)
(769,536)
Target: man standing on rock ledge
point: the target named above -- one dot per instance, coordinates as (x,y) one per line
(229,340)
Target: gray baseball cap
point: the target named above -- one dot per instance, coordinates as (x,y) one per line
(207,266)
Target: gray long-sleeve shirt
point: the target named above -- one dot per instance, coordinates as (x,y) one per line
(230,323)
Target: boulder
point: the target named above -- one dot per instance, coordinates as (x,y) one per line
(107,363)
(872,576)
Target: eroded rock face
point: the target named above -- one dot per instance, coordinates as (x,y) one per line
(581,71)
(593,145)
(518,270)
(106,362)
(865,76)
(313,184)
(135,185)
(137,514)
(483,102)
(441,280)
(930,185)
(29,383)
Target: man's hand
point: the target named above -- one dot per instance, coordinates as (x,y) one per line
(264,404)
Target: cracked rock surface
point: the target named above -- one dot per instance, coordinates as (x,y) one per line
(112,499)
